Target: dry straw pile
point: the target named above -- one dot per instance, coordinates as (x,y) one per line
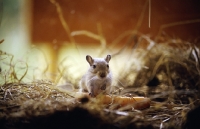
(169,79)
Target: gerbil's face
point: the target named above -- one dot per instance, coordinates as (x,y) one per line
(99,66)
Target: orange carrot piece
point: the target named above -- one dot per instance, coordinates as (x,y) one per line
(135,102)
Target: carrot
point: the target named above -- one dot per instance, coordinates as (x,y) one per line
(135,102)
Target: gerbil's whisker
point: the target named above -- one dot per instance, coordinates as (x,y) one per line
(120,82)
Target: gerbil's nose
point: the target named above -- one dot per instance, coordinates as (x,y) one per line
(102,75)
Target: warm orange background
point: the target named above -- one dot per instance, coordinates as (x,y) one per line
(115,17)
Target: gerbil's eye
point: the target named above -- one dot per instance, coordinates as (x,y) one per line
(94,66)
(107,66)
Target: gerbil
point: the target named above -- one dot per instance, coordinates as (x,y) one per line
(98,78)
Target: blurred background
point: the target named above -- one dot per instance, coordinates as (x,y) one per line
(49,35)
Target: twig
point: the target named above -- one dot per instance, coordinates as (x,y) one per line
(62,20)
(149,13)
(175,24)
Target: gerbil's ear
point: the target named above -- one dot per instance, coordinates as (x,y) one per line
(89,59)
(108,57)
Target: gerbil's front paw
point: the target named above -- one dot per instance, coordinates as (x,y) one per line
(103,87)
(91,95)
